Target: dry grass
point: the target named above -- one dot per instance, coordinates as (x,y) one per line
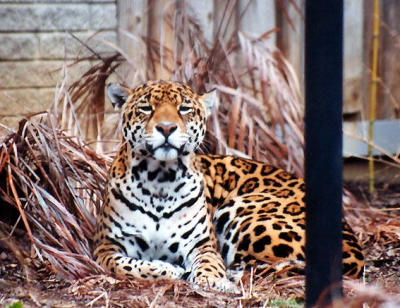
(53,170)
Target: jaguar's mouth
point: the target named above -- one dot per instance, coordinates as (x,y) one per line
(165,146)
(165,151)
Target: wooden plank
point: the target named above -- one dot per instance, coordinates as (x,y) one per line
(257,17)
(225,19)
(353,56)
(390,54)
(290,38)
(161,23)
(203,11)
(132,26)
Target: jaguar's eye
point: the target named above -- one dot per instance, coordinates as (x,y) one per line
(145,109)
(184,109)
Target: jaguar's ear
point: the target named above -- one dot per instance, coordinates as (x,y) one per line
(209,100)
(117,94)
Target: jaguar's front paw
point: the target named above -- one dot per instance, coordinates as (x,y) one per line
(168,270)
(216,283)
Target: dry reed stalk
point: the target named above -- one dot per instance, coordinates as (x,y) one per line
(55,184)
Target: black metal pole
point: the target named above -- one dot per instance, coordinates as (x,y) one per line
(323,152)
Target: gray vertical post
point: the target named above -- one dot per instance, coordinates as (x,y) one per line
(323,152)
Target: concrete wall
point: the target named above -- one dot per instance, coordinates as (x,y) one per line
(35,41)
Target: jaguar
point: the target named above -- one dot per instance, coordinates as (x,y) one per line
(170,213)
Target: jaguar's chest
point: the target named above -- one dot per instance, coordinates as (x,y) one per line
(157,206)
(161,188)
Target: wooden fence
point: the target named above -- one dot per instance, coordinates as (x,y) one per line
(286,20)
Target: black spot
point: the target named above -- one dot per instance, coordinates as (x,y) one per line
(238,258)
(142,165)
(244,243)
(357,254)
(235,238)
(349,268)
(133,207)
(127,268)
(173,247)
(152,174)
(291,183)
(276,227)
(177,188)
(135,174)
(285,236)
(259,230)
(282,250)
(146,192)
(259,246)
(116,243)
(263,218)
(222,220)
(349,237)
(188,203)
(345,255)
(224,251)
(187,233)
(198,244)
(142,243)
(300,257)
(205,162)
(247,259)
(179,261)
(245,227)
(168,176)
(294,235)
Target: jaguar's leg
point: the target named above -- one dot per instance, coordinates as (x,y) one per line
(208,270)
(126,267)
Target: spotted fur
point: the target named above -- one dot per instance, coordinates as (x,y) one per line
(169,213)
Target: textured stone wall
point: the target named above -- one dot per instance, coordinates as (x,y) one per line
(35,43)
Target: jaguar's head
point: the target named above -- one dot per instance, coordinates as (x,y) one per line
(162,119)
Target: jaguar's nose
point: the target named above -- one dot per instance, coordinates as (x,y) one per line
(166,128)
